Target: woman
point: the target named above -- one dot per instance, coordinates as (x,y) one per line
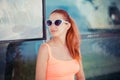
(59,58)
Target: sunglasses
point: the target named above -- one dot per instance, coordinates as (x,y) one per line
(55,22)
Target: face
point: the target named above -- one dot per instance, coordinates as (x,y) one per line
(57,25)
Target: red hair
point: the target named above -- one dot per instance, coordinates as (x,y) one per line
(72,36)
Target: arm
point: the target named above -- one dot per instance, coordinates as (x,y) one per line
(41,64)
(80,75)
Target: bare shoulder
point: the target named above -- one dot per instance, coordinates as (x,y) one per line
(43,50)
(43,46)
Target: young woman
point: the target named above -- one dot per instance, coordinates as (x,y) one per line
(60,58)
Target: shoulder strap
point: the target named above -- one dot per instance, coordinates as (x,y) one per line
(49,50)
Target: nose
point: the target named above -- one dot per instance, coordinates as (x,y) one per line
(52,26)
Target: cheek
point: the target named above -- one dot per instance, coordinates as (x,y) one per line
(61,29)
(64,28)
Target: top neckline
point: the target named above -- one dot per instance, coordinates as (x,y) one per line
(61,59)
(56,58)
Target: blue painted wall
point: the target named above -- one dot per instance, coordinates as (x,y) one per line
(100,47)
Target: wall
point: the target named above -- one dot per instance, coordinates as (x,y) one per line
(100,47)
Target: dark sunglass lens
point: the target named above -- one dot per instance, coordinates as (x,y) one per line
(58,22)
(49,22)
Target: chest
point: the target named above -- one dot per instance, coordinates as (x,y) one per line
(61,53)
(63,68)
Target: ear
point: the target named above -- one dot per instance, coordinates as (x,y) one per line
(68,25)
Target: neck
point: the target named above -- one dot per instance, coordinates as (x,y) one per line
(60,40)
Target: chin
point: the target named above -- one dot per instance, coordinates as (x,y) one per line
(55,35)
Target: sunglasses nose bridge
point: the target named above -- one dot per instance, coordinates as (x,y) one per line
(52,25)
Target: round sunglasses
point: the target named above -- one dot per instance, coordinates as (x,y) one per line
(55,22)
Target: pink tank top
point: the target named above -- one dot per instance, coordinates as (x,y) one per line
(60,69)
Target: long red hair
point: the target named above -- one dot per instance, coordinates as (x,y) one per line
(72,36)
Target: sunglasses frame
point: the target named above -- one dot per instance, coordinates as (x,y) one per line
(53,22)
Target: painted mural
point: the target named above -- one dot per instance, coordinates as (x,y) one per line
(98,22)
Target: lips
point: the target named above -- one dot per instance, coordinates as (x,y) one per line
(53,31)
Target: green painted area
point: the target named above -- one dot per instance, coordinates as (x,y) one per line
(100,64)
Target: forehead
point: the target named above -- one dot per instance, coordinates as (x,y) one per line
(55,16)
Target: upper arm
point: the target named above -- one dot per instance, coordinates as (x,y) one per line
(80,74)
(41,64)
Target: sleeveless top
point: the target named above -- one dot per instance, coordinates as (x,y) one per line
(60,69)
